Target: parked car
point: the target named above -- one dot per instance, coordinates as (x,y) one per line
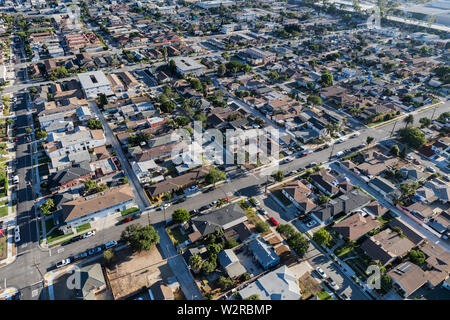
(333,284)
(431,169)
(110,244)
(204,208)
(125,220)
(17,237)
(89,234)
(311,223)
(76,238)
(321,273)
(94,251)
(63,263)
(344,296)
(273,221)
(194,212)
(262,211)
(417,162)
(80,256)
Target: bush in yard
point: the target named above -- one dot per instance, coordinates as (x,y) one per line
(416,256)
(245,276)
(253,297)
(214,248)
(181,215)
(209,266)
(322,237)
(225,283)
(262,227)
(215,176)
(278,175)
(230,243)
(108,256)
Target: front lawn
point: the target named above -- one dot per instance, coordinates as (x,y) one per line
(83,227)
(176,235)
(324,295)
(129,210)
(3,211)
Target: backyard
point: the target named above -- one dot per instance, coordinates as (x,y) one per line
(176,235)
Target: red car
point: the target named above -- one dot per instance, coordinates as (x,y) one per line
(273,221)
(416,161)
(128,219)
(17,139)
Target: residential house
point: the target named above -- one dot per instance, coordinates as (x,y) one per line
(280,284)
(82,210)
(230,263)
(386,246)
(299,194)
(343,204)
(223,218)
(355,226)
(263,253)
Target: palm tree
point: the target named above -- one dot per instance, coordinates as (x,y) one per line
(408,120)
(195,263)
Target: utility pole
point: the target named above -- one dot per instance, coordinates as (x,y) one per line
(331,153)
(392,132)
(434,111)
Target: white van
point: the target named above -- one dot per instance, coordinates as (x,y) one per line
(16,179)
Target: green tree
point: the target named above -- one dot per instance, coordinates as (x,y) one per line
(408,120)
(144,238)
(278,175)
(298,243)
(129,230)
(41,134)
(395,151)
(214,248)
(181,215)
(108,256)
(94,124)
(196,84)
(262,227)
(416,256)
(425,122)
(196,263)
(47,207)
(370,139)
(230,243)
(322,237)
(403,152)
(286,230)
(209,266)
(322,199)
(326,79)
(215,176)
(253,297)
(124,180)
(225,283)
(413,137)
(314,100)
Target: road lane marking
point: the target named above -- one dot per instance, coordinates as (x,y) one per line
(60,250)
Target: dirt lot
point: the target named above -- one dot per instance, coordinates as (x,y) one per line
(133,271)
(308,286)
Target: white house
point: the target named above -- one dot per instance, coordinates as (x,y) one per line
(94,83)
